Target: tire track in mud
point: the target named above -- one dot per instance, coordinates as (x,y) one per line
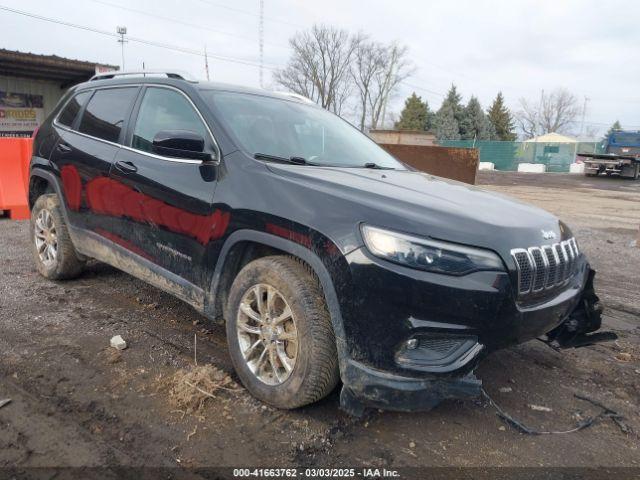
(54,433)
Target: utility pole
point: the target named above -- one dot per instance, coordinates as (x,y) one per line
(261,40)
(206,63)
(538,116)
(122,31)
(584,113)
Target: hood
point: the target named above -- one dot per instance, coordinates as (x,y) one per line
(422,204)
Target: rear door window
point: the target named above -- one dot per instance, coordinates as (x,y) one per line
(106,112)
(71,110)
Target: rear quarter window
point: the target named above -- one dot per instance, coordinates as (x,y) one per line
(106,112)
(72,108)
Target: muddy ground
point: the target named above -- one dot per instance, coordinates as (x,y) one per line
(75,402)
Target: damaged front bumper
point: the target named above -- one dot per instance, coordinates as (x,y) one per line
(579,329)
(364,386)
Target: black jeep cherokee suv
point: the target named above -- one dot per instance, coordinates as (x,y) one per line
(328,259)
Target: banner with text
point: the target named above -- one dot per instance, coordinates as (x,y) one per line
(20,114)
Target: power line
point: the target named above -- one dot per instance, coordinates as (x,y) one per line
(166,45)
(163,45)
(180,22)
(602,124)
(616,100)
(433,92)
(199,53)
(139,40)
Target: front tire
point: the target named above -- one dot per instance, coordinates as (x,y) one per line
(279,333)
(53,252)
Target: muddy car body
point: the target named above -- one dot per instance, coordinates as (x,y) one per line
(417,278)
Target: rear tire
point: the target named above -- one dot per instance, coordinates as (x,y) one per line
(53,252)
(263,340)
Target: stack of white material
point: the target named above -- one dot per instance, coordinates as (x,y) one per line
(486,166)
(532,167)
(576,168)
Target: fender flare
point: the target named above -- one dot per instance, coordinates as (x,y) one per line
(53,181)
(301,252)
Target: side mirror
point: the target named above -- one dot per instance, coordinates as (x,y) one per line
(180,144)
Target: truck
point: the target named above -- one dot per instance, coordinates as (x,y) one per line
(621,156)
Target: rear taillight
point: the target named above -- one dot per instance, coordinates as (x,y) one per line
(35,132)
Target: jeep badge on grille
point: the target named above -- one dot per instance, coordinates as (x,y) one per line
(548,234)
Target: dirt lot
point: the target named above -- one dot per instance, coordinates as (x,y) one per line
(77,403)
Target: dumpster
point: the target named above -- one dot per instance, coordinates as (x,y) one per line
(459,164)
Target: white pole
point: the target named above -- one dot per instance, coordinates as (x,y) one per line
(122,31)
(584,112)
(206,63)
(261,44)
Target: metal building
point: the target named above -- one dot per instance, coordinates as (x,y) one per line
(31,85)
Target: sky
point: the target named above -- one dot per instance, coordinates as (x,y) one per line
(519,47)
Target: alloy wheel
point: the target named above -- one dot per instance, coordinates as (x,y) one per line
(46,238)
(267,334)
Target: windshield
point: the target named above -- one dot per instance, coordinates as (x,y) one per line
(282,128)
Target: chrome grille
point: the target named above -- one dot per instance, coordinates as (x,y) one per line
(540,264)
(552,258)
(545,267)
(525,270)
(562,261)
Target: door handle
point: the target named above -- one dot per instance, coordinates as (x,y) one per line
(126,167)
(63,147)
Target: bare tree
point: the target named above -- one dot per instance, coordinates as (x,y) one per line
(528,118)
(367,63)
(591,131)
(319,67)
(395,68)
(377,70)
(554,112)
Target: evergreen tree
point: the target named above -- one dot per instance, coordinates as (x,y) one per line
(446,125)
(474,124)
(415,115)
(431,119)
(454,99)
(491,131)
(501,120)
(449,116)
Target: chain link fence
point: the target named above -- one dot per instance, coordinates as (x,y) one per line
(507,155)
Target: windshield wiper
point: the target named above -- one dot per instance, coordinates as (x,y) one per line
(375,166)
(276,158)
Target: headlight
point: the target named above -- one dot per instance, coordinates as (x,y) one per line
(426,254)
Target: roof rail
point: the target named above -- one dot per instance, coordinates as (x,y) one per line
(117,73)
(296,96)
